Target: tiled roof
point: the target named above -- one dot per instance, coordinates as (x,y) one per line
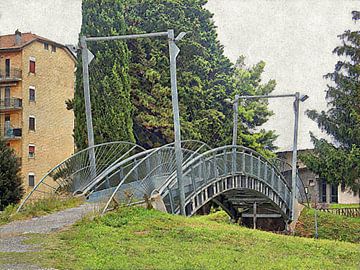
(9,41)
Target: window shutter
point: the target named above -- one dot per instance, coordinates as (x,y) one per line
(32,66)
(31,149)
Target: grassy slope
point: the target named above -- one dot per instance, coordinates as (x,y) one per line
(330,226)
(38,208)
(135,238)
(337,205)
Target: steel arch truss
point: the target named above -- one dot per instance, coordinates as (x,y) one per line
(76,172)
(229,168)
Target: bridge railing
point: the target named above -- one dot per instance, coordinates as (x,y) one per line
(286,169)
(223,162)
(137,176)
(75,172)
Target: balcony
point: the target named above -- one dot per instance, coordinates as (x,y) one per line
(10,75)
(11,133)
(9,104)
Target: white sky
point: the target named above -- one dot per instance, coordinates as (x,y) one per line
(294,37)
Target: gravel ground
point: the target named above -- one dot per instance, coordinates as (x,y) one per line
(22,267)
(13,234)
(47,224)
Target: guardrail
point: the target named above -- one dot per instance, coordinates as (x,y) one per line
(10,74)
(10,103)
(349,212)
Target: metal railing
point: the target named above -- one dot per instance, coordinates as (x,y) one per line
(224,162)
(126,171)
(10,74)
(75,172)
(7,131)
(10,103)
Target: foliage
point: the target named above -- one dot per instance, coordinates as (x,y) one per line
(11,189)
(136,238)
(38,208)
(205,76)
(109,79)
(339,162)
(330,226)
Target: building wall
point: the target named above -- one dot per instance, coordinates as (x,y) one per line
(15,91)
(348,197)
(311,181)
(54,84)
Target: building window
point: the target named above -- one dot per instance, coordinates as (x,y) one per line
(7,68)
(7,96)
(31,179)
(46,46)
(31,93)
(53,48)
(31,151)
(32,65)
(322,190)
(31,123)
(334,194)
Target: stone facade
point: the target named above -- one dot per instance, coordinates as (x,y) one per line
(53,82)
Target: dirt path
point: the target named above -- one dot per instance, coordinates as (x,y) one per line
(13,234)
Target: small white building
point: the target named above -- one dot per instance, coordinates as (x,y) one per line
(319,190)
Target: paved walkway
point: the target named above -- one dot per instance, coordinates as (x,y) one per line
(13,234)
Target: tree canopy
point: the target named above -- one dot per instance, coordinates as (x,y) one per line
(11,189)
(339,161)
(206,77)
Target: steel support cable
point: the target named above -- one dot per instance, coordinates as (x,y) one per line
(132,169)
(116,161)
(74,156)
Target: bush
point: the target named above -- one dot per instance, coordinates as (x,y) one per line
(11,189)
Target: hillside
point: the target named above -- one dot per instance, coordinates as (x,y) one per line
(330,226)
(136,238)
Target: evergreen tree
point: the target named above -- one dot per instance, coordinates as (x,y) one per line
(339,162)
(11,189)
(205,76)
(109,79)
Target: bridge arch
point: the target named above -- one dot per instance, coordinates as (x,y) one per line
(230,168)
(74,172)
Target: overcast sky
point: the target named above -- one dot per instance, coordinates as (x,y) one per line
(294,37)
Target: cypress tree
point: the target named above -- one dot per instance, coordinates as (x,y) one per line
(11,189)
(206,77)
(338,161)
(109,79)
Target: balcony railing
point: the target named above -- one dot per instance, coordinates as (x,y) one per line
(12,74)
(11,133)
(10,104)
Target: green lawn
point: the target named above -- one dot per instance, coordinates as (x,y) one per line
(136,238)
(38,208)
(330,226)
(337,205)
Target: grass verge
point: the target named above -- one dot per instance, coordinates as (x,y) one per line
(337,205)
(136,238)
(330,226)
(38,208)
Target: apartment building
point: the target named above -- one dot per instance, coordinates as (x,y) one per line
(36,78)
